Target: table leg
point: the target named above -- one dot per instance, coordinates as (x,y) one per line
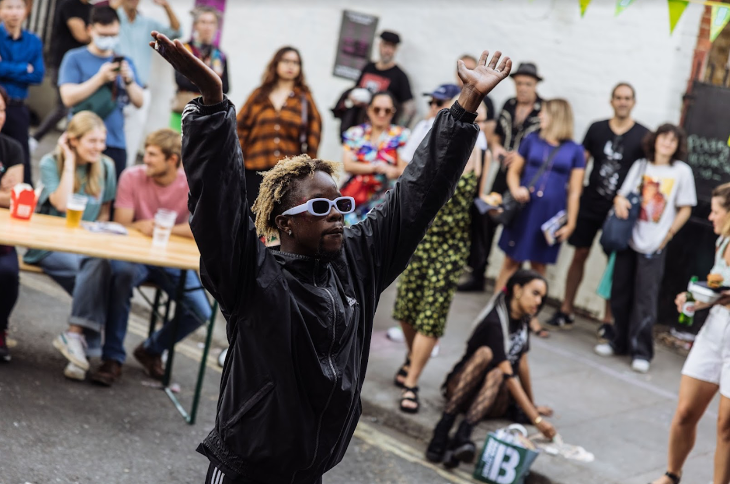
(179,294)
(204,360)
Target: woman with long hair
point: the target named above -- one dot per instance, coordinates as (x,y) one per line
(278,119)
(371,155)
(78,167)
(492,379)
(668,193)
(546,175)
(206,21)
(707,368)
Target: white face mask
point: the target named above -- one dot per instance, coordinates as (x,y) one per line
(106,42)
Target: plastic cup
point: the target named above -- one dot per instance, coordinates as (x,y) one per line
(164,222)
(75,207)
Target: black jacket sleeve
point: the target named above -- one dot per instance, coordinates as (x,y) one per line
(391,232)
(224,232)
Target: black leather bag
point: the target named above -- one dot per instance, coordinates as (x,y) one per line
(511,207)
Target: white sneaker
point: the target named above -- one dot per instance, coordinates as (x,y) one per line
(72,347)
(32,144)
(74,372)
(640,366)
(604,349)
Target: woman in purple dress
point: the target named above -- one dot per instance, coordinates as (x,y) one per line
(557,188)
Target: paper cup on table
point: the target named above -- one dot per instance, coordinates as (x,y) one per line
(75,207)
(164,222)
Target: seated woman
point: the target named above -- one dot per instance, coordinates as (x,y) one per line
(11,173)
(493,377)
(78,167)
(371,156)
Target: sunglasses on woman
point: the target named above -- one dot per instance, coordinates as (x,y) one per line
(386,111)
(322,206)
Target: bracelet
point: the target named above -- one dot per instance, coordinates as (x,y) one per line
(538,420)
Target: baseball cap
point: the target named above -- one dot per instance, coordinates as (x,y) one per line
(444,92)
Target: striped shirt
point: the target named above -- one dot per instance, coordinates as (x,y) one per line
(267,135)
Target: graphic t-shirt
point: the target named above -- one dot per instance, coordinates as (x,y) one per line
(393,80)
(613,154)
(664,189)
(140,193)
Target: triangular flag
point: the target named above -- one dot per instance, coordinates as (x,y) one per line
(622,5)
(676,9)
(583,6)
(720,17)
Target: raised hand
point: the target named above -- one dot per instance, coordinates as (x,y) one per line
(184,62)
(478,82)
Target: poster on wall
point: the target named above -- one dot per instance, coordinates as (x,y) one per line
(357,33)
(219,5)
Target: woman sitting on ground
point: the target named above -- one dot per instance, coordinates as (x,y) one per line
(707,368)
(493,377)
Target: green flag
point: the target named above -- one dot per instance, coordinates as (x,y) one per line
(676,9)
(720,17)
(622,5)
(583,6)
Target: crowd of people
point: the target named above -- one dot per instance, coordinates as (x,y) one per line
(101,67)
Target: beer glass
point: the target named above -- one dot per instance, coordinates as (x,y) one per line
(75,207)
(164,222)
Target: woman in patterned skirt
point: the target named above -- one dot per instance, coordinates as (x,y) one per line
(426,288)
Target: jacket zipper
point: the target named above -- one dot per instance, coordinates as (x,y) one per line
(329,360)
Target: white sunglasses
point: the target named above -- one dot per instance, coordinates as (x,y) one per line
(322,206)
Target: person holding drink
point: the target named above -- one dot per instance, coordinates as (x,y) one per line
(151,198)
(78,182)
(707,368)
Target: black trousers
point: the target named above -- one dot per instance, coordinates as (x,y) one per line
(483,230)
(17,123)
(119,155)
(58,113)
(634,300)
(215,476)
(9,283)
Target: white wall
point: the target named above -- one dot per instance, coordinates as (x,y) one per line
(580,58)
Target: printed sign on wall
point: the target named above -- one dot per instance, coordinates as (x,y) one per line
(357,33)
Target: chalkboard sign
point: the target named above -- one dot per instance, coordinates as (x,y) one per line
(708,128)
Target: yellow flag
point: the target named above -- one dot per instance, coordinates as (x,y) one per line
(720,17)
(676,9)
(622,5)
(583,6)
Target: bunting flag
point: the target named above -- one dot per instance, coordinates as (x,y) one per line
(622,5)
(720,17)
(676,9)
(583,6)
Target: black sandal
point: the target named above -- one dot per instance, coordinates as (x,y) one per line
(673,477)
(402,372)
(414,399)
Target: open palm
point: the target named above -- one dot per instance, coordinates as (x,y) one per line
(486,75)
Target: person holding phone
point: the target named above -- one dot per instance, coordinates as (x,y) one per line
(96,78)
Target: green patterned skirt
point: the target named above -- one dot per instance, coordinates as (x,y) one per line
(426,288)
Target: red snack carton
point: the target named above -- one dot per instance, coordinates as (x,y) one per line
(22,201)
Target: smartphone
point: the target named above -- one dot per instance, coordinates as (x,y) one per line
(118,60)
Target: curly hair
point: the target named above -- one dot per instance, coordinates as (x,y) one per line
(277,189)
(649,142)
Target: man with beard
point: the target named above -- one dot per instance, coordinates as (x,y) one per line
(300,316)
(143,190)
(614,145)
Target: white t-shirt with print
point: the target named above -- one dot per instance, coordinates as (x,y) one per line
(664,189)
(420,131)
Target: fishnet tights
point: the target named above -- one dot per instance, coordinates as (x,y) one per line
(491,398)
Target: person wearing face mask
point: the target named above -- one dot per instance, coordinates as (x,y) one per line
(278,119)
(95,78)
(78,167)
(371,156)
(135,27)
(668,193)
(21,65)
(206,21)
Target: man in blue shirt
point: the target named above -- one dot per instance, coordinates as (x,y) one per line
(21,65)
(89,78)
(133,37)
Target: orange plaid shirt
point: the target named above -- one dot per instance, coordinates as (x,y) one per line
(267,135)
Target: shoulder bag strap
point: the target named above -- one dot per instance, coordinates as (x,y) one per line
(544,166)
(305,121)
